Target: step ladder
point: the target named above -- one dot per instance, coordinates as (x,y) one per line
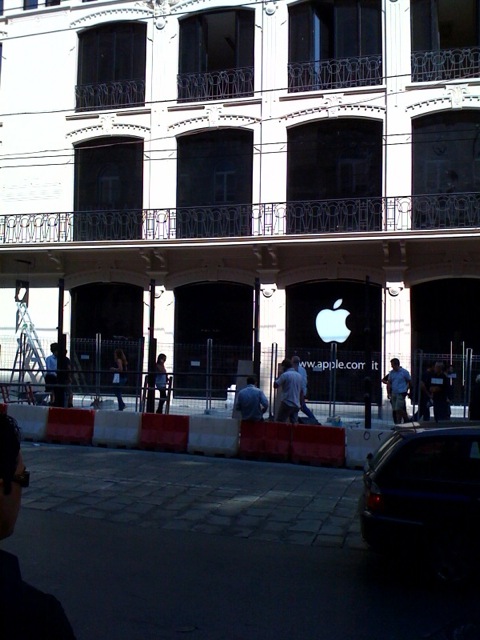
(143,397)
(30,357)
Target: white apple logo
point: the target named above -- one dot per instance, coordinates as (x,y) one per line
(331,325)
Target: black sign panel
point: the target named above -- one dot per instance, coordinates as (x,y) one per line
(335,329)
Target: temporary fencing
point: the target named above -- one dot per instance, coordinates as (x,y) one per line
(205,377)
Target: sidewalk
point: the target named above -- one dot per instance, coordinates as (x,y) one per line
(274,502)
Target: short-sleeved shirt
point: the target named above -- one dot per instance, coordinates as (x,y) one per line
(303,372)
(399,380)
(51,363)
(250,402)
(290,384)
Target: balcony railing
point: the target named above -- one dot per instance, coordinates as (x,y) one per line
(446,211)
(108,95)
(445,64)
(215,85)
(341,73)
(319,217)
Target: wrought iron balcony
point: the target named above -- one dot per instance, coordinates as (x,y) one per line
(364,71)
(446,211)
(108,95)
(334,216)
(213,222)
(215,85)
(445,64)
(319,217)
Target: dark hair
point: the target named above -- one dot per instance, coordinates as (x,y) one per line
(287,364)
(9,448)
(54,347)
(119,354)
(162,356)
(251,380)
(394,361)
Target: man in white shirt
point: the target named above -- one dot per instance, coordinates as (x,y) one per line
(291,395)
(51,365)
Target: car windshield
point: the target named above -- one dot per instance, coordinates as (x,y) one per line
(383,450)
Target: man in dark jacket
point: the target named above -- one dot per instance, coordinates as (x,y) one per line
(25,612)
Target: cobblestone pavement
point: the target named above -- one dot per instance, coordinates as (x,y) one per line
(274,502)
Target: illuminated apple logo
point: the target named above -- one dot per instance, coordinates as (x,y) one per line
(331,323)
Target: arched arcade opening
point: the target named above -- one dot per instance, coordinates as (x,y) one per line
(335,327)
(213,327)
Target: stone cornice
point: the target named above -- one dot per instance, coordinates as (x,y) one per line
(108,125)
(209,273)
(453,97)
(199,5)
(107,15)
(106,273)
(335,109)
(330,270)
(210,120)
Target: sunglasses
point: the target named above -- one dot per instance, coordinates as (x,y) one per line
(23,479)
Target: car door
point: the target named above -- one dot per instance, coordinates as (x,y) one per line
(424,482)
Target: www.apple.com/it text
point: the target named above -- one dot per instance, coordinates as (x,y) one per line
(326,365)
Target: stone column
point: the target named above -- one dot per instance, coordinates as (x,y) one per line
(397,329)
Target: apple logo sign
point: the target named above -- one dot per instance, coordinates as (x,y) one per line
(331,325)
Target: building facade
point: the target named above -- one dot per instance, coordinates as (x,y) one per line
(326,152)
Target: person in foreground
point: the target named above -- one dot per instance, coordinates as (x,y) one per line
(25,612)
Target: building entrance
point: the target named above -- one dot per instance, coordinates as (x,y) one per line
(443,317)
(213,331)
(327,326)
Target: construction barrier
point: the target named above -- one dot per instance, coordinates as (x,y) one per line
(318,445)
(69,426)
(117,429)
(162,432)
(361,442)
(205,435)
(265,440)
(31,419)
(213,436)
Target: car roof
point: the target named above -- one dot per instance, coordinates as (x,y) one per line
(419,432)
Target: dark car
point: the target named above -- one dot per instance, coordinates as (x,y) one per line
(422,494)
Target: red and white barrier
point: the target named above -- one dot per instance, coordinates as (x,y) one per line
(31,419)
(117,429)
(213,436)
(162,432)
(69,426)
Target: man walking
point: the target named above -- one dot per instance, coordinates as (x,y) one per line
(291,395)
(303,372)
(51,372)
(251,401)
(399,385)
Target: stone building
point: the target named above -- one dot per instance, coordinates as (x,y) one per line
(325,154)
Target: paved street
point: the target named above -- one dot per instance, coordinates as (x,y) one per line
(152,546)
(273,502)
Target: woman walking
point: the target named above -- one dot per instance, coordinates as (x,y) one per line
(161,381)
(119,376)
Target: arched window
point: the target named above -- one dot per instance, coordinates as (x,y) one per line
(334,44)
(111,67)
(445,39)
(108,189)
(216,55)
